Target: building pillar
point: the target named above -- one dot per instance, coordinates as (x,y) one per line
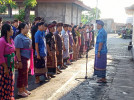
(64,13)
(77,21)
(133,37)
(72,14)
(133,28)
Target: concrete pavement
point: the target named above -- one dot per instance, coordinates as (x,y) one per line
(70,85)
(120,73)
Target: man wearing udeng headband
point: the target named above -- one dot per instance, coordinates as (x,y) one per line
(101,53)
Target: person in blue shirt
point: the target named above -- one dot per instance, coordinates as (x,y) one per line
(101,52)
(40,52)
(34,29)
(15,28)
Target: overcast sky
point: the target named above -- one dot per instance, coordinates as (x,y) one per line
(112,8)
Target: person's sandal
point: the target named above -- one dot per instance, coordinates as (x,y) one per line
(52,76)
(65,66)
(28,92)
(48,78)
(62,67)
(37,81)
(101,81)
(23,94)
(58,70)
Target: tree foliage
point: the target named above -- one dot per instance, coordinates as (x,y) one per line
(21,16)
(4,3)
(24,14)
(90,15)
(30,3)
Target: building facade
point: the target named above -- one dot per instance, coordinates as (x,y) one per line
(109,25)
(65,11)
(130,11)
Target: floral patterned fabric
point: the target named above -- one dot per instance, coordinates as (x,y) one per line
(6,82)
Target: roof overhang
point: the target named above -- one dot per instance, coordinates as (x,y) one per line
(77,2)
(130,10)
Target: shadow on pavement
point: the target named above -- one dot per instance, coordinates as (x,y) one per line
(31,83)
(91,90)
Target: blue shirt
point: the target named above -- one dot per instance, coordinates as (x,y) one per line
(101,38)
(40,39)
(23,42)
(14,32)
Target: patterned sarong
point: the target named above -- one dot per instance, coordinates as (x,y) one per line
(100,66)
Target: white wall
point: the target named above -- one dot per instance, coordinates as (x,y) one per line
(74,16)
(60,12)
(51,11)
(68,14)
(79,15)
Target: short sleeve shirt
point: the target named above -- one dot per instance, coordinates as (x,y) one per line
(23,42)
(40,39)
(101,38)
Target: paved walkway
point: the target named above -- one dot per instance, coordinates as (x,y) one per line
(120,75)
(70,85)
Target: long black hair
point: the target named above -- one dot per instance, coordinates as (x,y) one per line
(5,28)
(21,26)
(73,31)
(0,19)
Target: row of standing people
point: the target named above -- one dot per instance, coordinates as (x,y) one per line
(52,47)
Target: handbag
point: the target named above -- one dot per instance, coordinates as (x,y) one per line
(39,63)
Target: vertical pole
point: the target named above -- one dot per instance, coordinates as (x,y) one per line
(133,30)
(86,63)
(96,9)
(96,16)
(133,38)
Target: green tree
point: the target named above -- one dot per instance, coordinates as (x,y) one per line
(90,16)
(28,5)
(5,3)
(21,16)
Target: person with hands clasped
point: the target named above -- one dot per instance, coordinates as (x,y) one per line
(59,46)
(51,51)
(23,46)
(40,53)
(7,63)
